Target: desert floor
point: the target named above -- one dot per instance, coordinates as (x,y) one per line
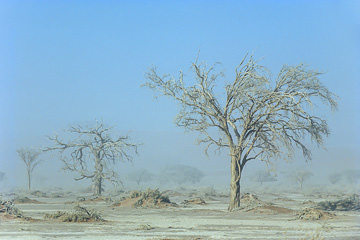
(184,221)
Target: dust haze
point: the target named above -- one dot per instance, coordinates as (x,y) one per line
(179,120)
(198,195)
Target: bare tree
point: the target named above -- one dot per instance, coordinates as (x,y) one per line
(257,119)
(30,158)
(335,178)
(300,176)
(91,152)
(140,175)
(352,176)
(262,176)
(180,174)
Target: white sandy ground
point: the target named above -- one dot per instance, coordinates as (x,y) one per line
(210,221)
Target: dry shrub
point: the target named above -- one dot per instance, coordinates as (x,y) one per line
(145,227)
(79,214)
(149,198)
(8,207)
(313,214)
(250,201)
(351,203)
(8,210)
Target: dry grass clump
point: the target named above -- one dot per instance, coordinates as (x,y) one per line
(351,203)
(149,195)
(8,210)
(80,214)
(8,207)
(145,227)
(313,214)
(250,201)
(149,198)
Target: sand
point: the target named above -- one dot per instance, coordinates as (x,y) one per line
(276,218)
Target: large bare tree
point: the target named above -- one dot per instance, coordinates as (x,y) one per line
(30,158)
(255,118)
(90,151)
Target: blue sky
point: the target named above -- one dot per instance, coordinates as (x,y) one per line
(65,62)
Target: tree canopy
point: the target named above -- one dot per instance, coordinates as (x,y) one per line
(257,118)
(90,151)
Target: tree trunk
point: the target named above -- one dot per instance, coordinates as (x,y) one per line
(234,185)
(98,177)
(29,180)
(98,187)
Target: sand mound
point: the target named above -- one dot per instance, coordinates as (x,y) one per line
(20,200)
(91,200)
(97,199)
(308,202)
(80,214)
(285,199)
(171,193)
(270,209)
(250,201)
(149,198)
(38,194)
(195,201)
(313,214)
(351,203)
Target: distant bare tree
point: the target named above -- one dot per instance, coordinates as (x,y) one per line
(30,158)
(140,175)
(352,176)
(262,176)
(256,119)
(90,153)
(335,177)
(180,174)
(300,176)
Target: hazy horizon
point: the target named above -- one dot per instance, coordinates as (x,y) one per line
(64,63)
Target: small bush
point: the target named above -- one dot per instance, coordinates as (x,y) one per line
(351,203)
(250,201)
(149,194)
(145,227)
(79,214)
(313,214)
(149,198)
(8,207)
